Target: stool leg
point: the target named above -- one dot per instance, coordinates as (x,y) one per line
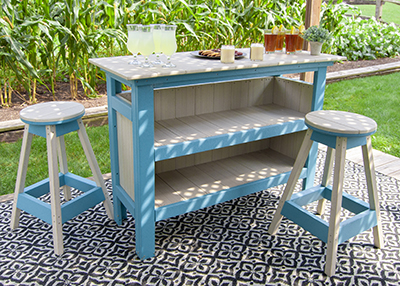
(54,182)
(294,176)
(21,175)
(326,178)
(369,168)
(336,206)
(62,158)
(94,167)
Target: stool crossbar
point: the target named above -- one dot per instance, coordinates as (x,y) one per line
(52,121)
(339,131)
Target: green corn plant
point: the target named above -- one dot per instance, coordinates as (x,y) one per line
(57,38)
(15,65)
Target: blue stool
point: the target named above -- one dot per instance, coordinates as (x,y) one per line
(339,131)
(52,120)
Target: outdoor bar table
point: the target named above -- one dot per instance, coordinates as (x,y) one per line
(189,137)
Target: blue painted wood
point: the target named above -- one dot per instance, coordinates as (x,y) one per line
(357,224)
(312,223)
(62,128)
(125,200)
(123,107)
(349,202)
(38,130)
(35,207)
(308,196)
(194,204)
(114,87)
(29,202)
(70,209)
(353,204)
(227,75)
(38,189)
(225,140)
(362,221)
(142,126)
(65,128)
(81,203)
(317,104)
(79,182)
(144,169)
(330,139)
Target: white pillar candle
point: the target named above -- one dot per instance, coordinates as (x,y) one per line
(256,52)
(227,54)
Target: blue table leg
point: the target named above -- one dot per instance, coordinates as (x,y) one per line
(144,169)
(114,87)
(317,104)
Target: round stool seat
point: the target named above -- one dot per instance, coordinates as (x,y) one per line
(340,123)
(50,113)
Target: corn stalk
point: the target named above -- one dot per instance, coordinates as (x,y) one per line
(49,40)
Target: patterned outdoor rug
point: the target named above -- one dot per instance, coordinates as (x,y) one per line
(226,244)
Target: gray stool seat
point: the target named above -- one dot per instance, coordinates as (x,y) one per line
(339,131)
(52,120)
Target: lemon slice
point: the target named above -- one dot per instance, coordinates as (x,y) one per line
(281,28)
(292,30)
(275,30)
(301,29)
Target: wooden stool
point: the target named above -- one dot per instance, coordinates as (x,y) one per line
(52,120)
(340,131)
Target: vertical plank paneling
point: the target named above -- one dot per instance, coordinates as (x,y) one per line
(125,154)
(269,90)
(185,161)
(293,94)
(222,96)
(279,92)
(185,101)
(204,99)
(306,97)
(240,94)
(157,105)
(167,104)
(165,165)
(200,158)
(256,92)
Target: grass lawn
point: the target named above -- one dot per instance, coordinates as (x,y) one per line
(377,97)
(390,12)
(37,167)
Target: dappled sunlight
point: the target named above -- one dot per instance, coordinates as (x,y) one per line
(347,122)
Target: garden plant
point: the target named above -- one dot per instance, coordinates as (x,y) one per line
(43,42)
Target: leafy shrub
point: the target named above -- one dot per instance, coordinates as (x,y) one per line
(366,39)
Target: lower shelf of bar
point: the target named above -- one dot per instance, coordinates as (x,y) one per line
(191,188)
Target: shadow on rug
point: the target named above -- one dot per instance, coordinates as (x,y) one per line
(226,244)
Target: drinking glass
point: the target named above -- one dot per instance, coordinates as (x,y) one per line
(168,44)
(291,41)
(146,44)
(158,30)
(227,54)
(299,44)
(134,31)
(280,40)
(270,41)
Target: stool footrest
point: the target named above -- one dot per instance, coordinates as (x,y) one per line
(364,218)
(68,179)
(29,200)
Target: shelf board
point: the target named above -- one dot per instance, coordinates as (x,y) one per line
(199,133)
(210,178)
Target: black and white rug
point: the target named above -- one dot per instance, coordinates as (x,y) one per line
(226,244)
